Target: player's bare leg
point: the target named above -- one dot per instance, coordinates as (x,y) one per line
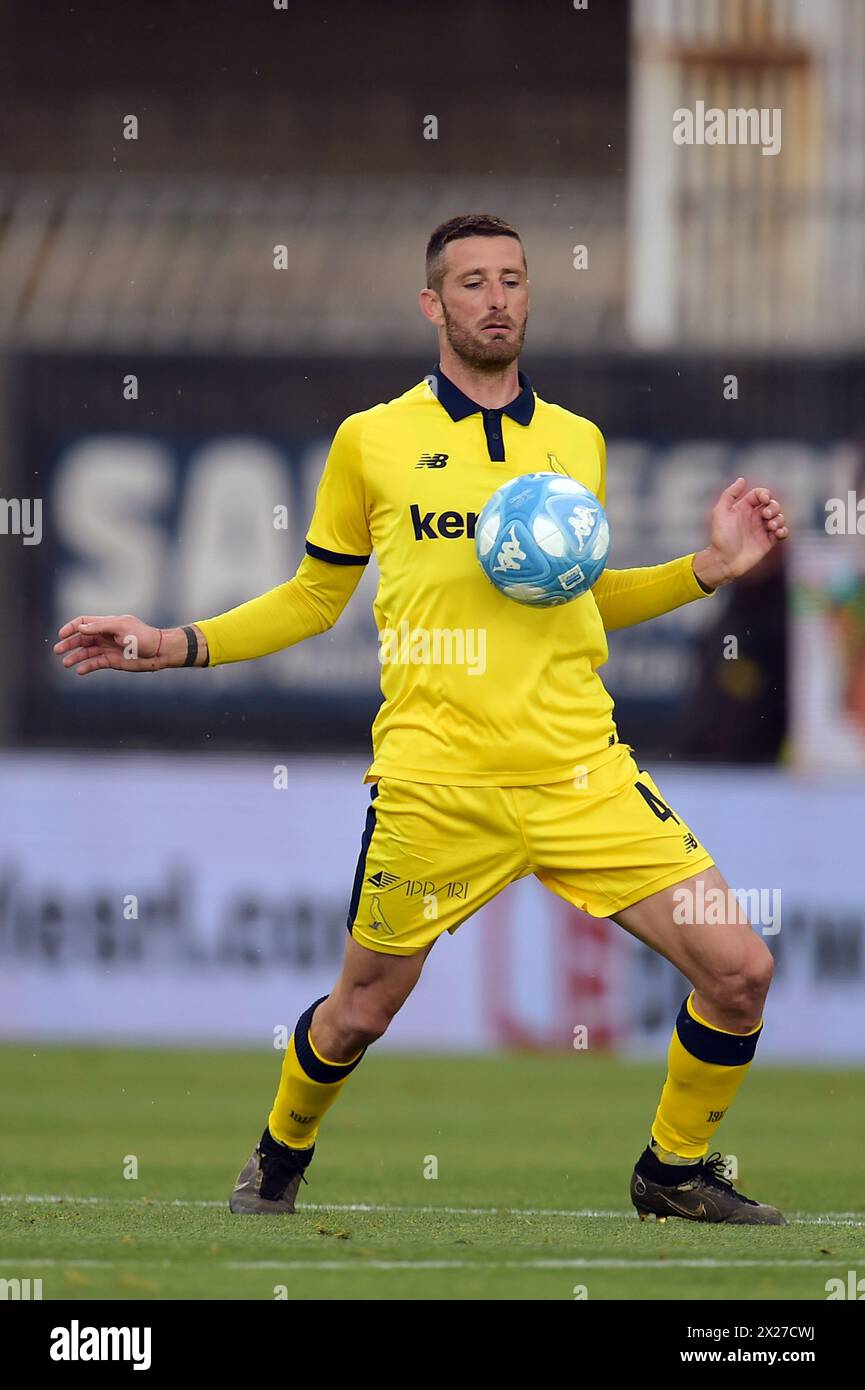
(329,1040)
(729,966)
(370,991)
(716,1033)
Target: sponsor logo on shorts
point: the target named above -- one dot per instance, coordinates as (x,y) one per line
(418,887)
(383,879)
(421,887)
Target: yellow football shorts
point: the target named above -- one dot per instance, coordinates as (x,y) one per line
(431,856)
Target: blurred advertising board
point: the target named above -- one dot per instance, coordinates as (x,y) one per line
(828,653)
(194,494)
(203,899)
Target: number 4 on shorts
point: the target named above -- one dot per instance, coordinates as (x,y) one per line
(660,808)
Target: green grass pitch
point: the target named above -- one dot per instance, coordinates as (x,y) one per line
(534,1154)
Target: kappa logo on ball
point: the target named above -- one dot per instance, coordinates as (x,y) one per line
(582,522)
(511,553)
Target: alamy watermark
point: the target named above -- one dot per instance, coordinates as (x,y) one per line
(736,126)
(21,516)
(845,516)
(77,1343)
(405,645)
(853,1287)
(20,1289)
(717,907)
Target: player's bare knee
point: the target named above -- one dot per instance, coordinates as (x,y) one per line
(740,991)
(764,967)
(757,970)
(368,1017)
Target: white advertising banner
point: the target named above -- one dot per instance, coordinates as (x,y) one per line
(169,898)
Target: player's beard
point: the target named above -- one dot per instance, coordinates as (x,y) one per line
(483,353)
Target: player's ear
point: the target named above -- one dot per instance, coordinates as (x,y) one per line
(431,307)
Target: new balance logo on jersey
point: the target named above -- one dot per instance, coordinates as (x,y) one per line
(448,525)
(432,461)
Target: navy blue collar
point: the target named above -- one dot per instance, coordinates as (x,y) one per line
(458,405)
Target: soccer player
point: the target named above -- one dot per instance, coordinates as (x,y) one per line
(485,772)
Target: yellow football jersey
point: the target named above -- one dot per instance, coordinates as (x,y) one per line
(478,690)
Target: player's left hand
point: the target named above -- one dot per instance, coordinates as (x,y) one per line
(746,524)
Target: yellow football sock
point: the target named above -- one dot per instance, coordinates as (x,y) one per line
(705,1068)
(308,1086)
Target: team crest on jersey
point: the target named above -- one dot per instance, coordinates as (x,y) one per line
(377,919)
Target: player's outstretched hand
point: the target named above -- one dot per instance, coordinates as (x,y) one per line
(119,643)
(746,524)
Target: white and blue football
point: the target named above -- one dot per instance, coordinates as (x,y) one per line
(543,539)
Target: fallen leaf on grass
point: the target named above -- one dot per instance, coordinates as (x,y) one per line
(134,1281)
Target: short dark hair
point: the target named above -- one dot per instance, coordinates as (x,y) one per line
(455,229)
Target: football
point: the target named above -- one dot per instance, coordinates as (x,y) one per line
(543,539)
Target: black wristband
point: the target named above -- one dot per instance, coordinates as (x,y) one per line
(191,646)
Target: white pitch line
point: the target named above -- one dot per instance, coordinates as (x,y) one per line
(354,1264)
(360,1263)
(79,1264)
(54,1197)
(834,1218)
